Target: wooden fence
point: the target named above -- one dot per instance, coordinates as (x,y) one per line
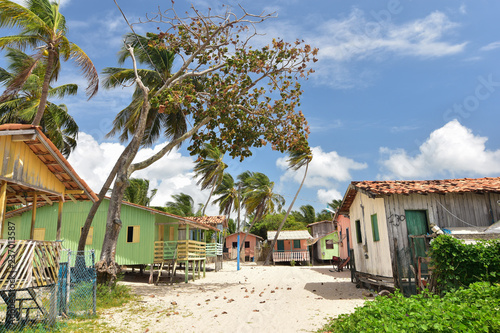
(179,250)
(214,249)
(28,263)
(290,255)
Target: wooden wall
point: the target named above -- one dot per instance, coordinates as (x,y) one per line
(444,210)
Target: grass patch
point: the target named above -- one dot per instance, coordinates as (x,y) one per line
(110,297)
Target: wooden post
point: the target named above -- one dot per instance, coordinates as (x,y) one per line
(151,274)
(204,267)
(33,215)
(68,282)
(3,204)
(186,271)
(59,219)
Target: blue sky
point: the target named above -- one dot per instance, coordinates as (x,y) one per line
(402,90)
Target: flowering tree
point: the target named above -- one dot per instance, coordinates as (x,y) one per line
(235,96)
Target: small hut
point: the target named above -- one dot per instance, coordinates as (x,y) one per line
(292,245)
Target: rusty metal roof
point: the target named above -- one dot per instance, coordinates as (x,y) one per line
(210,220)
(48,154)
(405,187)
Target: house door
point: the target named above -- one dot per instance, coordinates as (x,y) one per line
(161,232)
(281,246)
(416,223)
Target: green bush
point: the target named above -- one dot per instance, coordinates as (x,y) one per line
(457,264)
(116,295)
(475,309)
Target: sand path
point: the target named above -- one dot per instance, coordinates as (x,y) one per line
(254,299)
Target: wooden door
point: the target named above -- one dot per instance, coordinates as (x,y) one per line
(171,234)
(281,246)
(416,224)
(161,232)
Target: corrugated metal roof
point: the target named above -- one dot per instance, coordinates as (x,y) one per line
(210,220)
(289,234)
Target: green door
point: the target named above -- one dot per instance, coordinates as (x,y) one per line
(416,223)
(281,246)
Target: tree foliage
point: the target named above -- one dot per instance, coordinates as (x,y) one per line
(56,123)
(43,29)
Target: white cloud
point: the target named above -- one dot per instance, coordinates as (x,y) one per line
(490,46)
(329,195)
(450,151)
(462,9)
(324,169)
(362,37)
(172,174)
(357,37)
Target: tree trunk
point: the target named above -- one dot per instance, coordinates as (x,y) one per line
(210,196)
(269,254)
(45,86)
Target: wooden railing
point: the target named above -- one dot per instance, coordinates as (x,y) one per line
(165,251)
(214,249)
(279,256)
(180,250)
(28,263)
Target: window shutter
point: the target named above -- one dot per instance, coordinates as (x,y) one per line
(376,236)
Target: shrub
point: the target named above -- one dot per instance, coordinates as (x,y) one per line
(474,309)
(457,264)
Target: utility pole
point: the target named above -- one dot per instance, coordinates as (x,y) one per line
(238,230)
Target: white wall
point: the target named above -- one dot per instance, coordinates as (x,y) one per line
(373,257)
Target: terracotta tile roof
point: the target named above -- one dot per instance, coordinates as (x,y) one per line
(406,187)
(210,220)
(49,155)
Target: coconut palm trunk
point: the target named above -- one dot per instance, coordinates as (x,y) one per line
(268,258)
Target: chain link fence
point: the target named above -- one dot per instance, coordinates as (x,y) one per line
(73,296)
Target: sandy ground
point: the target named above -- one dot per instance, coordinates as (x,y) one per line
(254,299)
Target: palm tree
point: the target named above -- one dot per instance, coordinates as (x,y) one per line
(137,192)
(159,61)
(183,205)
(209,169)
(228,199)
(258,197)
(43,28)
(307,214)
(22,107)
(296,161)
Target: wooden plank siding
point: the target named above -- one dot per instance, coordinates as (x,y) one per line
(444,210)
(20,165)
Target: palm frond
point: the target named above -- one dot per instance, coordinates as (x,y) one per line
(88,69)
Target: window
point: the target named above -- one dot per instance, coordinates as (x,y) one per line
(182,234)
(171,234)
(329,244)
(235,245)
(133,234)
(376,236)
(39,234)
(296,243)
(90,236)
(161,232)
(358,231)
(247,245)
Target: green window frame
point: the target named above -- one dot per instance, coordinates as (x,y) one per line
(359,238)
(296,243)
(375,233)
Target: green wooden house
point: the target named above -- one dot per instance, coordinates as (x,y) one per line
(147,237)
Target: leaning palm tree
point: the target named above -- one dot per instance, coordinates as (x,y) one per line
(296,161)
(259,197)
(138,192)
(228,199)
(158,61)
(43,28)
(209,169)
(22,107)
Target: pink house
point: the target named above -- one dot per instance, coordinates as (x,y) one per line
(252,246)
(344,230)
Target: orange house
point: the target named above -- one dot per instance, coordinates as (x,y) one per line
(292,245)
(252,246)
